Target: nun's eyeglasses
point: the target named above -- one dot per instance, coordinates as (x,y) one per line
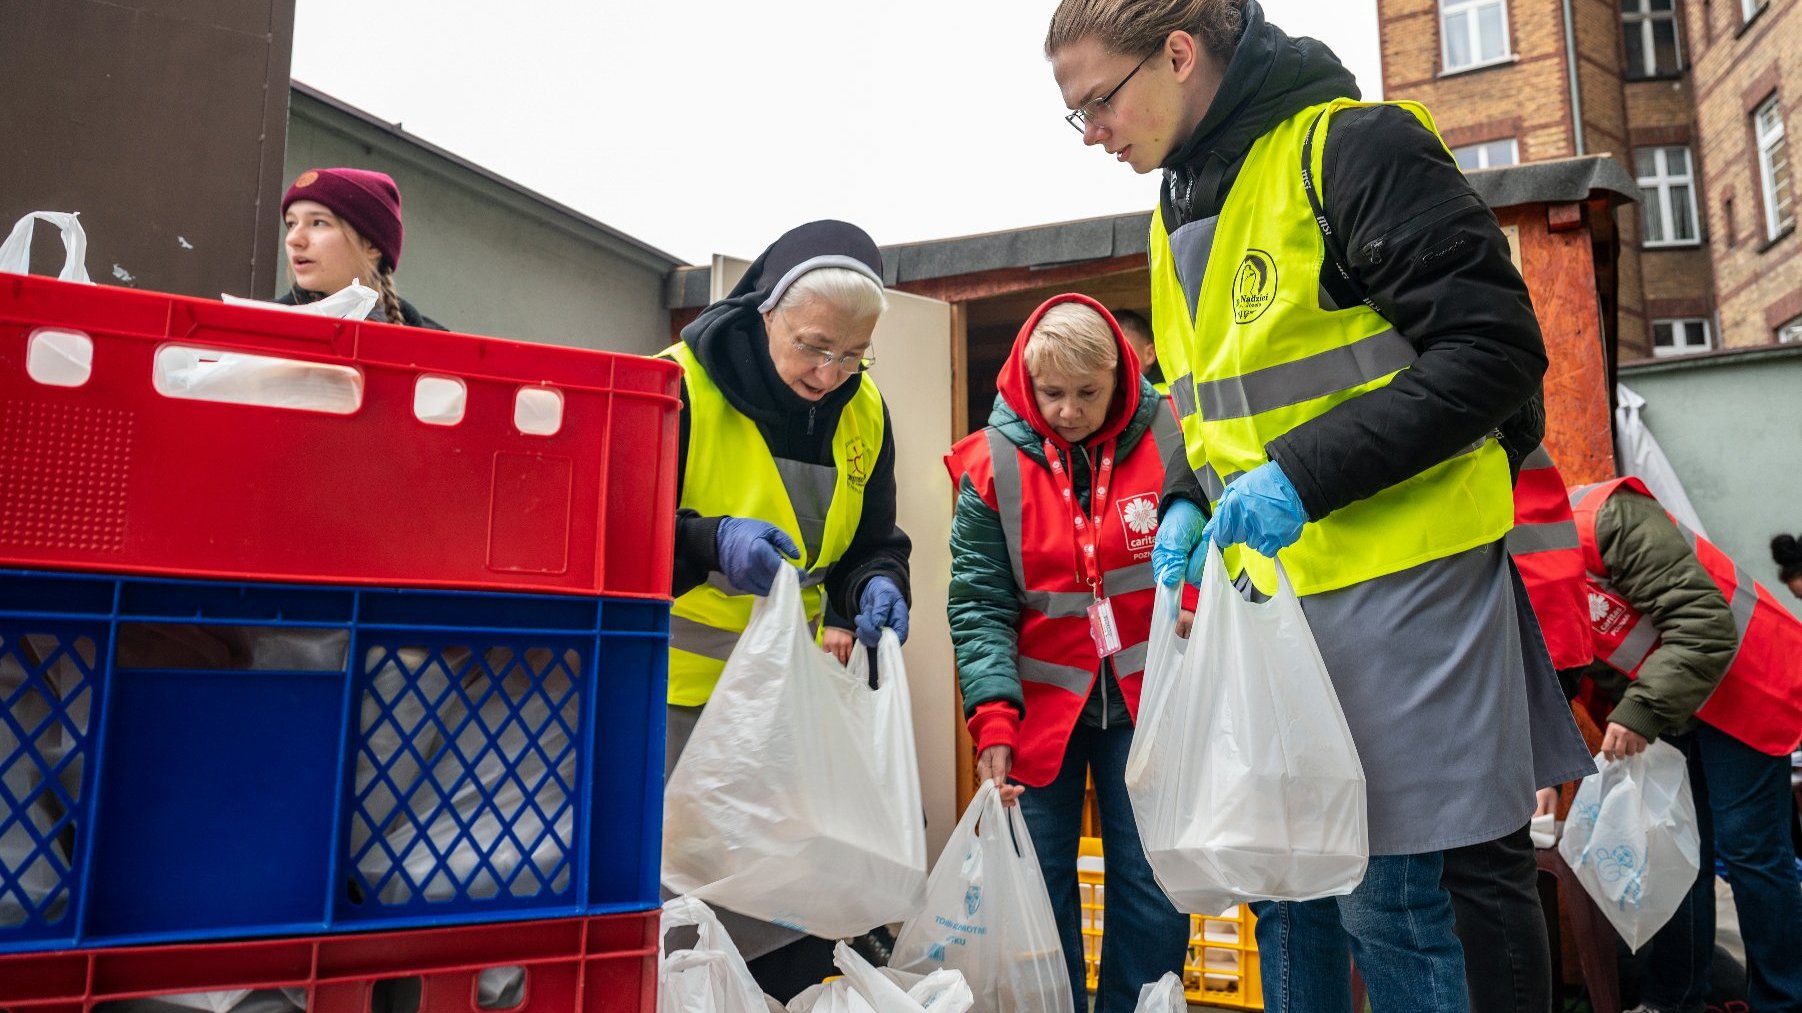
(1080,117)
(849,363)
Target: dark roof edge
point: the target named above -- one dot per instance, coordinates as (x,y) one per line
(668,261)
(1738,356)
(1555,181)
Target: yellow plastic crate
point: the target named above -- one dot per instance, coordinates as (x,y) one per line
(1222,966)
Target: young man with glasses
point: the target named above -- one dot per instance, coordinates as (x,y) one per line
(1344,333)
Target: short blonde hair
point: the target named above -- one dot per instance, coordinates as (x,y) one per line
(1139,27)
(1071,338)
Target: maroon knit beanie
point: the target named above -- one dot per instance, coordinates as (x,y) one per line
(367,201)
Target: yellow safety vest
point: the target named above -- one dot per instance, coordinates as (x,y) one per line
(1257,349)
(730,472)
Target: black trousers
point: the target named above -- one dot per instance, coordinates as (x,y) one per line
(1499,919)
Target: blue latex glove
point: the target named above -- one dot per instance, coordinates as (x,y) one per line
(751,552)
(1175,556)
(1261,510)
(880,604)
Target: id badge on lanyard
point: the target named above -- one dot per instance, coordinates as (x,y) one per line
(1102,628)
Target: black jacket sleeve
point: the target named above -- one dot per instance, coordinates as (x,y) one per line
(697,553)
(1432,258)
(879,546)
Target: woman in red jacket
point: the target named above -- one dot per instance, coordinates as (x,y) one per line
(1050,606)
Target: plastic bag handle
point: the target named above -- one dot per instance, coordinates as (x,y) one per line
(15,252)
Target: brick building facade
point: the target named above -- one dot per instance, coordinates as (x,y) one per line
(1694,97)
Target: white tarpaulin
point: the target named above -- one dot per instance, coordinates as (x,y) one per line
(1637,453)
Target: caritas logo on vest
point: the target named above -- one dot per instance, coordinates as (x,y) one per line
(1139,518)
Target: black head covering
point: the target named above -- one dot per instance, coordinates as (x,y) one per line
(729,338)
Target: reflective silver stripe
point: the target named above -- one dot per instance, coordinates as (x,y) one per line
(812,578)
(699,638)
(1538,459)
(1632,652)
(1182,395)
(1068,678)
(1191,246)
(1317,375)
(1130,659)
(1526,539)
(1166,435)
(1059,604)
(1127,579)
(1211,482)
(1005,462)
(1745,599)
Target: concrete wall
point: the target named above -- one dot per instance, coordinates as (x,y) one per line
(1731,425)
(485,257)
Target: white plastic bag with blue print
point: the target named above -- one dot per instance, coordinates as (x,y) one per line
(1243,776)
(988,915)
(1631,838)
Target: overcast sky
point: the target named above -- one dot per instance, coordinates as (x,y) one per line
(711,126)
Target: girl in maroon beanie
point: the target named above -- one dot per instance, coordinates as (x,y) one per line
(343,225)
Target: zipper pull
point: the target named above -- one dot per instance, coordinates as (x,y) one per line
(811,409)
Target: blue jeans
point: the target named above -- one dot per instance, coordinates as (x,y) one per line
(1743,811)
(1145,936)
(1397,924)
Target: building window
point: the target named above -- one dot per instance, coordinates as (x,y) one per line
(1791,333)
(1679,337)
(1487,155)
(1650,28)
(1748,9)
(1474,33)
(1773,168)
(1667,196)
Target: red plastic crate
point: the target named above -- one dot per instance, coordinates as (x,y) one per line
(575,965)
(114,476)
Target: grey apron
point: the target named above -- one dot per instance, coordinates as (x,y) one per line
(1451,699)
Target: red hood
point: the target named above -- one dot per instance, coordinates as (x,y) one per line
(1015,384)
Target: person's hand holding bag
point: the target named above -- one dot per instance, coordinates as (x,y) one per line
(751,551)
(1261,510)
(1173,556)
(881,604)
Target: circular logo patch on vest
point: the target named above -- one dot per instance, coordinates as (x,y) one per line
(858,462)
(1254,286)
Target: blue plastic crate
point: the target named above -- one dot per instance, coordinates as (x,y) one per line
(184,760)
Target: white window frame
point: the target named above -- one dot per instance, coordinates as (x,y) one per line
(1473,34)
(1663,181)
(1643,21)
(1681,330)
(1790,333)
(1482,151)
(1769,137)
(1748,9)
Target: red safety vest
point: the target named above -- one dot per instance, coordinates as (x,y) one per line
(1759,699)
(1545,548)
(1057,660)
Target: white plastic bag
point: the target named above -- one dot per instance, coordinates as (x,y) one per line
(352,302)
(1164,995)
(942,991)
(1631,838)
(797,799)
(987,914)
(15,252)
(710,977)
(1243,776)
(485,817)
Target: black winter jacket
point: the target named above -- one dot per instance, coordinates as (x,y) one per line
(1421,245)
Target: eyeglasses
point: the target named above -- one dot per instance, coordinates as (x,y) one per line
(1079,118)
(844,363)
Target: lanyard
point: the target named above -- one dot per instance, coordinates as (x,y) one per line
(1088,529)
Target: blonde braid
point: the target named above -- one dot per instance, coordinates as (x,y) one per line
(384,280)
